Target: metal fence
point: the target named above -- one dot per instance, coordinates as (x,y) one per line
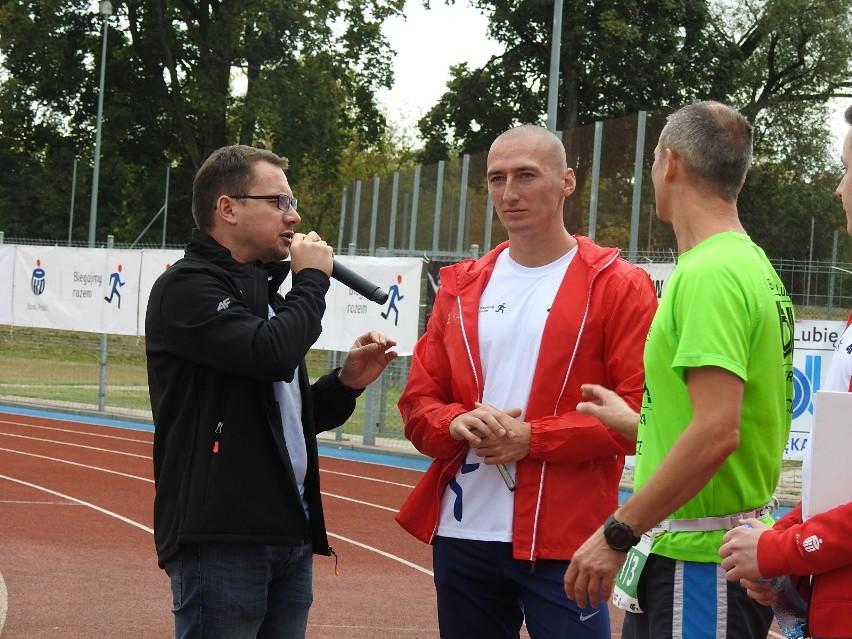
(441,213)
(444,208)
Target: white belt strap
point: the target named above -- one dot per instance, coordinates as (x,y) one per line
(708,524)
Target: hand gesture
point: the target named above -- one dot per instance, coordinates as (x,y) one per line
(366,360)
(610,408)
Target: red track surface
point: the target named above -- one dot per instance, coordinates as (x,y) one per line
(77,551)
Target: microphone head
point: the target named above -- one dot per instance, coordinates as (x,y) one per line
(379,296)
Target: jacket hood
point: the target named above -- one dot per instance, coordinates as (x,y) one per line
(204,246)
(457,276)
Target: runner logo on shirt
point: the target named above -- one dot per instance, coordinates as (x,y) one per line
(499,308)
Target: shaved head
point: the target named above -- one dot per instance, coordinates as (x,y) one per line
(545,143)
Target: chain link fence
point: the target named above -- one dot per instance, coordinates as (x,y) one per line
(441,213)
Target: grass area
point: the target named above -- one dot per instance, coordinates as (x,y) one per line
(63,368)
(60,368)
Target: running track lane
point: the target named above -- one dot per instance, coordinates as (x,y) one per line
(77,557)
(78,560)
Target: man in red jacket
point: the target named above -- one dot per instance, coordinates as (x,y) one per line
(819,546)
(519,477)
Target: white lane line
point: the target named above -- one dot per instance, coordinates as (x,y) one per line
(22,502)
(77,432)
(151,531)
(383,554)
(358,501)
(380,481)
(53,441)
(367,547)
(104,511)
(71,463)
(4,602)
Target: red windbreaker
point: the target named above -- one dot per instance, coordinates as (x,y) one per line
(818,547)
(595,333)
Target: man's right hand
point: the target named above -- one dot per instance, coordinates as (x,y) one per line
(483,422)
(310,251)
(610,408)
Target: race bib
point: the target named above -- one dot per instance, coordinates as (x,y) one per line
(624,594)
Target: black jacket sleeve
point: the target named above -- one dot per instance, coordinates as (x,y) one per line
(206,317)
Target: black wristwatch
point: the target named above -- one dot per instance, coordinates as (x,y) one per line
(619,535)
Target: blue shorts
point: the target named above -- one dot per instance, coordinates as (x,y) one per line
(484,592)
(691,600)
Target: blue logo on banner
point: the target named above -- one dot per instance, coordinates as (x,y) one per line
(805,384)
(38,282)
(395,295)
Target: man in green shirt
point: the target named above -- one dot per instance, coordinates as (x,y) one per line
(716,408)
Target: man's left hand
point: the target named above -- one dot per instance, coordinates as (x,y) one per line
(739,551)
(365,361)
(590,577)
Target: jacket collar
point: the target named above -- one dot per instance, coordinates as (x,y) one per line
(201,245)
(458,276)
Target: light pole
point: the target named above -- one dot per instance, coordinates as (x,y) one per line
(555,54)
(105,9)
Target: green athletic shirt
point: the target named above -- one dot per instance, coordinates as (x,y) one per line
(723,306)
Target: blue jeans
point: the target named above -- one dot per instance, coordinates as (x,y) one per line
(484,592)
(236,591)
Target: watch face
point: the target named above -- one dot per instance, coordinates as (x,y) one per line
(618,535)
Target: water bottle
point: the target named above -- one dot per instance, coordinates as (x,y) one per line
(790,608)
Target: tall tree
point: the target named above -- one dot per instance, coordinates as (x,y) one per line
(792,57)
(185,77)
(616,58)
(771,58)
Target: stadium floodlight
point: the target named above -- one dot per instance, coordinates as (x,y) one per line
(105,9)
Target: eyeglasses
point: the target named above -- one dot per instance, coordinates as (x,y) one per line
(284,201)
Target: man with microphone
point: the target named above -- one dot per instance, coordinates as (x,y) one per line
(237,509)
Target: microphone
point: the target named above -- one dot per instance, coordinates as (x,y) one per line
(350,278)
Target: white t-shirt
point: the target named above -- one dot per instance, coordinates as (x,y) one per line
(289,396)
(840,369)
(512,312)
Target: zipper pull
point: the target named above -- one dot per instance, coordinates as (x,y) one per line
(336,567)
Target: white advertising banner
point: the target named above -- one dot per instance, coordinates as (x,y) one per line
(814,347)
(92,290)
(120,308)
(349,315)
(154,263)
(58,287)
(7,268)
(107,290)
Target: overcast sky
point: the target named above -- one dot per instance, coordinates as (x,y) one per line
(428,43)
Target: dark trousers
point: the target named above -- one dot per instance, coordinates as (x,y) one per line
(484,592)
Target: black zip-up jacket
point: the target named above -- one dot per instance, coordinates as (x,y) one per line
(221,468)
